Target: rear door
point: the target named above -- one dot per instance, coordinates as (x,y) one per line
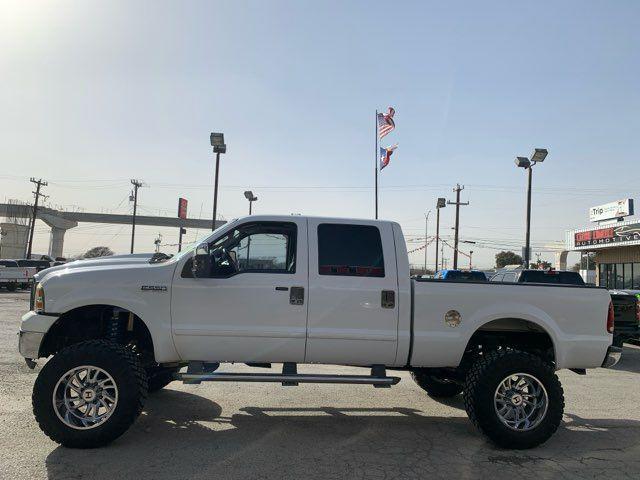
(353,291)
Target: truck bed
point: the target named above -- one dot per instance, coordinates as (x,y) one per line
(573,317)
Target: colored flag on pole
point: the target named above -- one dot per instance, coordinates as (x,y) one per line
(385,155)
(386,123)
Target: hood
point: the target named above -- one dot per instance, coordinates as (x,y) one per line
(132,259)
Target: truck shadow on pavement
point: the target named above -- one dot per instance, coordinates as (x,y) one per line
(181,435)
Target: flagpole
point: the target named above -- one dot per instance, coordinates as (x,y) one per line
(376,164)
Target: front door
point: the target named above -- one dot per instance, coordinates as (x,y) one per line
(244,308)
(353,310)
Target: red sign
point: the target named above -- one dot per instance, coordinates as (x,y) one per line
(609,235)
(182,208)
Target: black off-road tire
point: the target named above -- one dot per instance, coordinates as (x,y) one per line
(483,379)
(12,287)
(436,387)
(123,366)
(159,377)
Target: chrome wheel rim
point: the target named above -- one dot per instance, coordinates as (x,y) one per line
(521,402)
(85,397)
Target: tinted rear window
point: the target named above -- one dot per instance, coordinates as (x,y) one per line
(467,276)
(563,278)
(350,250)
(8,263)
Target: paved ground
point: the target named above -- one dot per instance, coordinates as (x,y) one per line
(320,431)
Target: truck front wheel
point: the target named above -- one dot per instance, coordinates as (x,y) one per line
(436,386)
(514,398)
(89,394)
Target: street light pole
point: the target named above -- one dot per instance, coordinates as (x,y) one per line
(426,226)
(539,154)
(527,251)
(217,142)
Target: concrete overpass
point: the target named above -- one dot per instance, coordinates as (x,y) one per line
(61,221)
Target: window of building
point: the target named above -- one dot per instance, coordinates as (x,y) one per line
(619,275)
(350,250)
(628,275)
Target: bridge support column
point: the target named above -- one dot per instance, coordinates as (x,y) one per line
(59,226)
(561,260)
(56,242)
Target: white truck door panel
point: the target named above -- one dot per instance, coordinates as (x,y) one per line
(247,316)
(347,323)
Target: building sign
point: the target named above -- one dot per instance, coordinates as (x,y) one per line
(608,236)
(182,208)
(609,211)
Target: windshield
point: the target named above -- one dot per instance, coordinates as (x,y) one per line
(192,246)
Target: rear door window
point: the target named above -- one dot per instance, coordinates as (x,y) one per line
(350,250)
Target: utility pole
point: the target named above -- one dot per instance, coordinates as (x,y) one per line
(442,202)
(470,257)
(39,183)
(457,203)
(136,185)
(426,225)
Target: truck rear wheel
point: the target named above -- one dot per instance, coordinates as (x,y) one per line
(514,398)
(89,394)
(435,386)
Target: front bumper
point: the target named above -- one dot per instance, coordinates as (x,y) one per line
(612,357)
(29,344)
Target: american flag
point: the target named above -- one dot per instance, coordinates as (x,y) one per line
(385,122)
(385,155)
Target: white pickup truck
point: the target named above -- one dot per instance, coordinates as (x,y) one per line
(292,290)
(13,276)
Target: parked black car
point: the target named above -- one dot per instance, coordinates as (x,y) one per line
(626,315)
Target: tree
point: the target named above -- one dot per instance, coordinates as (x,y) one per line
(98,252)
(507,258)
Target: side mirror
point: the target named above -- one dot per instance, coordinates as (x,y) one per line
(201,267)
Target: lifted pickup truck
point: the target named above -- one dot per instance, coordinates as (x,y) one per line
(293,290)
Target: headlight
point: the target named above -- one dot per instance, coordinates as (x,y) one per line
(38,303)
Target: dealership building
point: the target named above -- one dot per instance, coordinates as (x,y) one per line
(614,241)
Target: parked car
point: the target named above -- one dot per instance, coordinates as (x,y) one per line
(626,308)
(461,275)
(309,290)
(560,277)
(38,264)
(13,276)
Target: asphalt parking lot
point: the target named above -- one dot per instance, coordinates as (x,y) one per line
(227,430)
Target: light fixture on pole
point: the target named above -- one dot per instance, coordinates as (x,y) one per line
(539,154)
(442,202)
(251,197)
(217,142)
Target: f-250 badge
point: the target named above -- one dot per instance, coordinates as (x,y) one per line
(154,288)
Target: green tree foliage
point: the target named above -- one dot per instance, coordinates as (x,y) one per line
(98,252)
(507,258)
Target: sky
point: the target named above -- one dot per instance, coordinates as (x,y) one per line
(96,93)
